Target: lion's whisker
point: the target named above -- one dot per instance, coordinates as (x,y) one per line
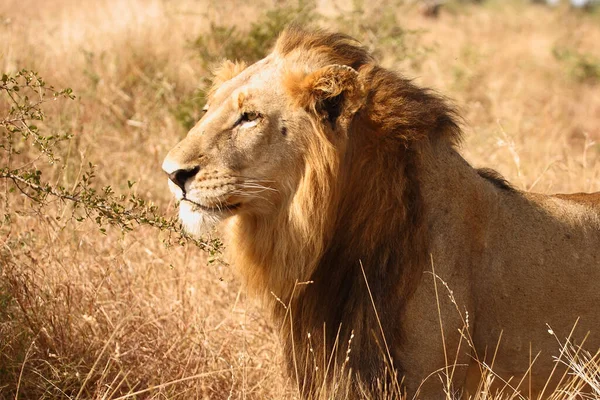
(249,179)
(257,186)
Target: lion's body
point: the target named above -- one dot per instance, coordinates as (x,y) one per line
(521,263)
(361,184)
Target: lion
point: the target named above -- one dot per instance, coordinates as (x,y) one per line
(387,260)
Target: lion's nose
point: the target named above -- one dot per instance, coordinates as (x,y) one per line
(180,176)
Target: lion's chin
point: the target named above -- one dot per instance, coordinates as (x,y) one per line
(197,222)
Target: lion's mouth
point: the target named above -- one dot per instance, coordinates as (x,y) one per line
(221,208)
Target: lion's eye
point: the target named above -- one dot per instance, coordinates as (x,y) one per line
(249,116)
(248,119)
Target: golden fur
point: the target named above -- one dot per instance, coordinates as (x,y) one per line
(331,172)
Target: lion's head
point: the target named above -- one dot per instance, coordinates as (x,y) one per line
(248,153)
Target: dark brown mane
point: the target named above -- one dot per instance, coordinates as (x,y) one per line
(378,223)
(495,178)
(407,112)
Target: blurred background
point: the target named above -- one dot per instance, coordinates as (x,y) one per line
(99,296)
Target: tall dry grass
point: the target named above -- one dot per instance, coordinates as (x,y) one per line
(87,315)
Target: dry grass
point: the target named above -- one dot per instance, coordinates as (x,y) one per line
(85,315)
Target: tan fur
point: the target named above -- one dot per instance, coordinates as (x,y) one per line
(350,169)
(225,71)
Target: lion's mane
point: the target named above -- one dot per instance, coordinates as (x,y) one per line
(358,208)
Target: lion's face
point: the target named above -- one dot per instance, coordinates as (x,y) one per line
(242,155)
(266,128)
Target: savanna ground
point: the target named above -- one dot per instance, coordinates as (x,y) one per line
(101,300)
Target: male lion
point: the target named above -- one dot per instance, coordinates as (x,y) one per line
(343,196)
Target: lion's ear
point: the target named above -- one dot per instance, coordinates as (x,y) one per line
(225,71)
(332,92)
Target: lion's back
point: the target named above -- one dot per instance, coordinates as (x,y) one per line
(591,200)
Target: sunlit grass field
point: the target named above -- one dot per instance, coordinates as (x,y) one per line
(96,312)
